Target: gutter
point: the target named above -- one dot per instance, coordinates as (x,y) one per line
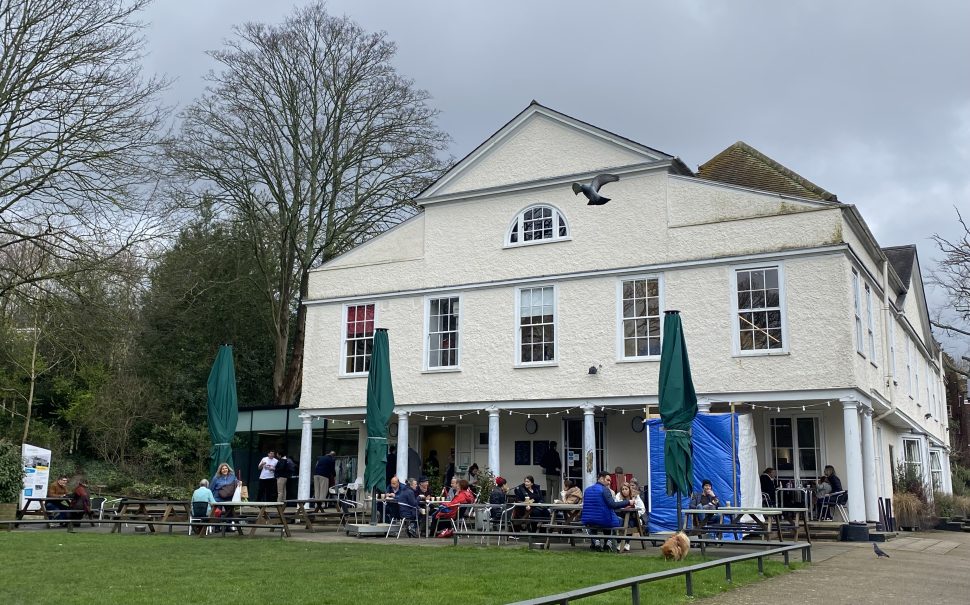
(887,315)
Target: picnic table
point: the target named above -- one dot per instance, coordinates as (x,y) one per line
(310,509)
(763,520)
(42,510)
(269,515)
(148,511)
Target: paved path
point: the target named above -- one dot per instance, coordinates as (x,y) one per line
(925,567)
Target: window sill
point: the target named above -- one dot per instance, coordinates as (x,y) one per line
(638,359)
(537,242)
(760,353)
(342,376)
(541,364)
(449,370)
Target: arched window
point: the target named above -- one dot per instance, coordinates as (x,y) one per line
(538,224)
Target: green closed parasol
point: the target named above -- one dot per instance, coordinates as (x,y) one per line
(380,406)
(223,408)
(678,406)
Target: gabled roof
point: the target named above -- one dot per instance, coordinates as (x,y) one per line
(743,165)
(901,260)
(647,153)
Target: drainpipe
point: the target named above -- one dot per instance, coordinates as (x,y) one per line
(887,315)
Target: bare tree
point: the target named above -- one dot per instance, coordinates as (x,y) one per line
(953,275)
(310,136)
(77,126)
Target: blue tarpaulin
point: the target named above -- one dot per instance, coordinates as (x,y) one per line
(712,459)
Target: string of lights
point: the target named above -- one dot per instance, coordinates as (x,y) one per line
(551,414)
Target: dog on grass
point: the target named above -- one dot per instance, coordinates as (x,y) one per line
(675,547)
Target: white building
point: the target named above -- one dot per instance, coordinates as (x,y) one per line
(507,290)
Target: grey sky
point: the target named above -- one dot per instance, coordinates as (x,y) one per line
(868,99)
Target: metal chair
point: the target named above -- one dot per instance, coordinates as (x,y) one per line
(401,521)
(199,513)
(836,500)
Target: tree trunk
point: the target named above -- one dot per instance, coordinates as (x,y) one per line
(33,383)
(293,381)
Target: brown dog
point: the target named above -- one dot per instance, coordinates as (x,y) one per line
(675,547)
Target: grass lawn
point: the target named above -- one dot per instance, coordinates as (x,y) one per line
(62,568)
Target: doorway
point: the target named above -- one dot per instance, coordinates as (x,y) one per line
(573,448)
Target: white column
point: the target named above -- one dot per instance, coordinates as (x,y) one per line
(853,460)
(402,445)
(869,467)
(306,457)
(493,441)
(589,445)
(361,455)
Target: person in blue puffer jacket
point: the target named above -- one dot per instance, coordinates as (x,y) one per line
(598,507)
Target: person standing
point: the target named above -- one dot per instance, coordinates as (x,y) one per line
(324,474)
(551,465)
(267,478)
(285,469)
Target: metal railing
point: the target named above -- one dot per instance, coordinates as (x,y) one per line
(688,572)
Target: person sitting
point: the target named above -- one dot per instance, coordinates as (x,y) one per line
(423,490)
(407,503)
(390,494)
(204,494)
(822,491)
(80,501)
(571,494)
(58,490)
(497,499)
(451,489)
(224,483)
(529,493)
(473,474)
(626,493)
(706,500)
(450,510)
(598,507)
(834,494)
(769,486)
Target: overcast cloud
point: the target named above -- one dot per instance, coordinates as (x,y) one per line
(868,99)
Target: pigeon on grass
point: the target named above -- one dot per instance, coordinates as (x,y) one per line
(879,552)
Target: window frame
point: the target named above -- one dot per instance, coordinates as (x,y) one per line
(517,352)
(519,218)
(892,346)
(860,347)
(736,350)
(909,367)
(871,328)
(820,447)
(426,351)
(936,468)
(621,356)
(919,451)
(342,370)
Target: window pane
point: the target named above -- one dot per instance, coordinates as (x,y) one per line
(806,432)
(744,280)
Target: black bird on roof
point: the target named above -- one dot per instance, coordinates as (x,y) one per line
(591,191)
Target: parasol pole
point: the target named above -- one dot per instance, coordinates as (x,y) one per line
(734,458)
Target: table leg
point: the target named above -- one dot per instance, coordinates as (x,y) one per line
(286,526)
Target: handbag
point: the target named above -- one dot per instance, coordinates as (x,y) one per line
(227,490)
